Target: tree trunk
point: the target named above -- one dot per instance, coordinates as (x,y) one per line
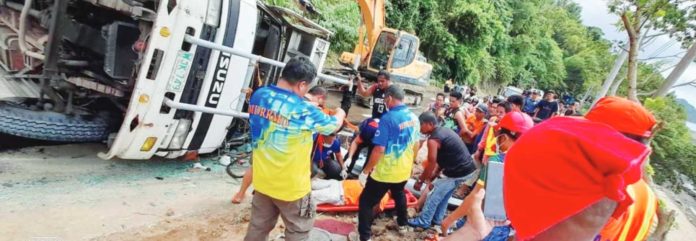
(677,72)
(615,86)
(612,75)
(634,46)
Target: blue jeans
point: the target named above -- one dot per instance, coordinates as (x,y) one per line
(436,204)
(499,233)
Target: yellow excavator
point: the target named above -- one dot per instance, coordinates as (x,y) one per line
(382,48)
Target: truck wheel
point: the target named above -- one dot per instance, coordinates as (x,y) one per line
(19,120)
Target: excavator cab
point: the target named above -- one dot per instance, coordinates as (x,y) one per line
(393,50)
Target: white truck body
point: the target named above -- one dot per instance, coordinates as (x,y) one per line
(196,61)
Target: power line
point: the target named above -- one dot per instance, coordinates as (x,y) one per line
(664,46)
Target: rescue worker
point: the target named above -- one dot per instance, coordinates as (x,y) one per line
(450,165)
(391,162)
(362,139)
(282,125)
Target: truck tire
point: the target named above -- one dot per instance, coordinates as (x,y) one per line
(19,120)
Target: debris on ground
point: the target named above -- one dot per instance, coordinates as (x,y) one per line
(198,166)
(170,212)
(225,160)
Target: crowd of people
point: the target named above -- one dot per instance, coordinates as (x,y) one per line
(528,168)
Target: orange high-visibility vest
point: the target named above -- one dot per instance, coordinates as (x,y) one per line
(635,223)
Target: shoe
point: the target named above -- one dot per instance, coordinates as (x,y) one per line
(403,229)
(414,223)
(438,229)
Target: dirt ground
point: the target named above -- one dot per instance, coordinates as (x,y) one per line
(64,192)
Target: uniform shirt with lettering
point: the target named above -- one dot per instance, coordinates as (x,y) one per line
(282,127)
(378,106)
(398,133)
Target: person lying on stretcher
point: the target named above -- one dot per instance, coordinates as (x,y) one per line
(339,193)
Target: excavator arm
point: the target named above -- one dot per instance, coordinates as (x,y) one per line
(373,21)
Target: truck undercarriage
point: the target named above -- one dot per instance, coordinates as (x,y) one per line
(154,77)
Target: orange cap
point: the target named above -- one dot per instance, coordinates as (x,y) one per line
(625,116)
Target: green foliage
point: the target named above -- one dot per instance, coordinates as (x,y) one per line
(526,43)
(340,16)
(673,149)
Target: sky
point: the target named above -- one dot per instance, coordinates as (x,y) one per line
(596,13)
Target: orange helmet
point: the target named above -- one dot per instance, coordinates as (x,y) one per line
(623,115)
(516,122)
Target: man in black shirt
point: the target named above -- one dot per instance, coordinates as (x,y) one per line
(378,93)
(546,108)
(446,154)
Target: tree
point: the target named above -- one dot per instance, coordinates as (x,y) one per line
(665,15)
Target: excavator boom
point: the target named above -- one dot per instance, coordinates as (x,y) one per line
(374,20)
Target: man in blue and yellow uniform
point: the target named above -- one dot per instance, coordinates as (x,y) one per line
(282,128)
(391,161)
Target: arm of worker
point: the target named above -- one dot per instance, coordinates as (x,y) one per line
(381,141)
(436,172)
(365,91)
(417,145)
(354,147)
(462,210)
(427,175)
(339,157)
(323,123)
(476,227)
(375,156)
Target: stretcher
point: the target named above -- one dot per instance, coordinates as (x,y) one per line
(453,202)
(411,201)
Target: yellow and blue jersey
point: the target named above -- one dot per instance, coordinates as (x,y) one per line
(282,128)
(398,133)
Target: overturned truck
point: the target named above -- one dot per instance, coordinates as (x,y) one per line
(148,77)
